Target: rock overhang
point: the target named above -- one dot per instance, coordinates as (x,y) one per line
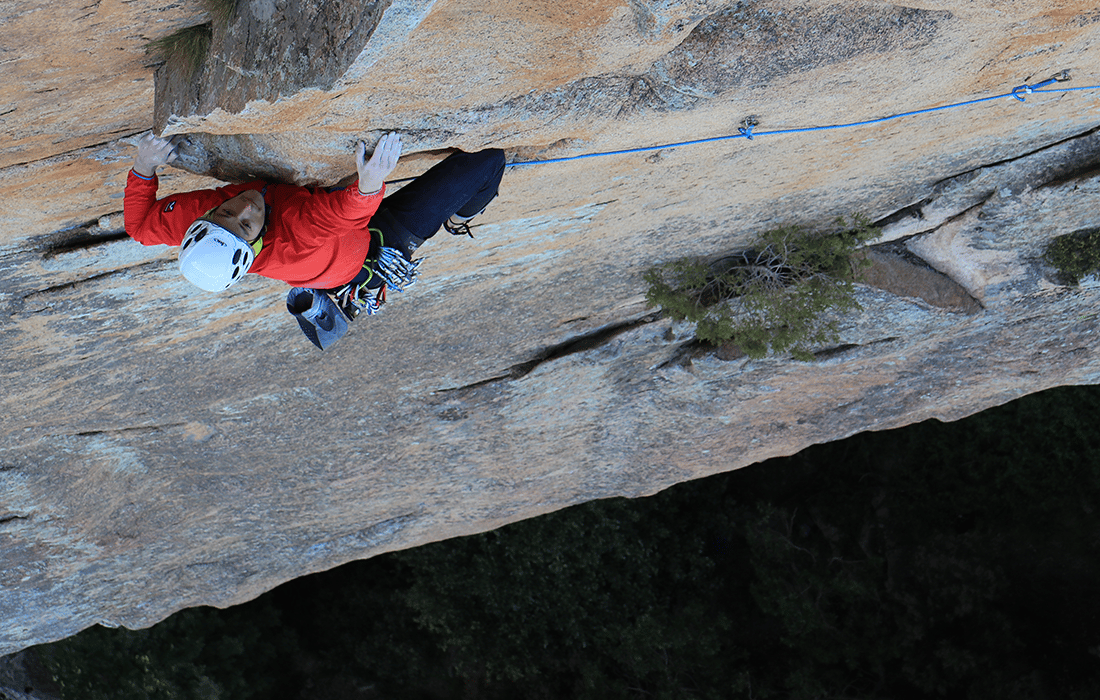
(164,449)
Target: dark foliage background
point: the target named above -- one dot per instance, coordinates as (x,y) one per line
(936,561)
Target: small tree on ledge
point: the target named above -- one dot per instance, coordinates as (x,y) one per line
(783,295)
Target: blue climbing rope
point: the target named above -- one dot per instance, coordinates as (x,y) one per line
(747,131)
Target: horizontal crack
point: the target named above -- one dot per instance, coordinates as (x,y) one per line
(1082,174)
(580,343)
(1013,159)
(128,429)
(828,353)
(92,278)
(474,385)
(121,134)
(4,520)
(82,241)
(69,285)
(93,232)
(916,210)
(897,245)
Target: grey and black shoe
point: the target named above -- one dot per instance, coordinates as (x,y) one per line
(461,228)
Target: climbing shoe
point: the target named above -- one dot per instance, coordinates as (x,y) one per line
(461,228)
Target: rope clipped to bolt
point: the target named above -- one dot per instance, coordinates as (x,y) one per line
(747,131)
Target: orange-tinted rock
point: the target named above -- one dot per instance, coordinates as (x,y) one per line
(162,448)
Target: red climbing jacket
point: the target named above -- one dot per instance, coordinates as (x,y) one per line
(313,238)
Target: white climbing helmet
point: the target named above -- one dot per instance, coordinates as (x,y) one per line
(212,258)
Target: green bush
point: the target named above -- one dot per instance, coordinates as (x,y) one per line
(1075,255)
(185,49)
(781,296)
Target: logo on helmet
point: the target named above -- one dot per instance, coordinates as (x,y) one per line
(212,258)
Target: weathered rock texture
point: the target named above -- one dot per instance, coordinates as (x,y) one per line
(163,448)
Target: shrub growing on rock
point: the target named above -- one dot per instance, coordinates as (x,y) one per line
(782,295)
(185,49)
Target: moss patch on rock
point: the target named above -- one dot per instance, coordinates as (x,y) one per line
(1075,255)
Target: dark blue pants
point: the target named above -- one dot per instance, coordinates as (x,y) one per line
(463,184)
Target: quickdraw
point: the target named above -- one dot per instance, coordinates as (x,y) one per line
(398,272)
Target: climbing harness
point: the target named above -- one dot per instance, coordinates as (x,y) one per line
(398,272)
(357,298)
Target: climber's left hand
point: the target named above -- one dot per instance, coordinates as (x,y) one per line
(153,152)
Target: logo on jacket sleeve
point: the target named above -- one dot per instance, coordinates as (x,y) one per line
(170,206)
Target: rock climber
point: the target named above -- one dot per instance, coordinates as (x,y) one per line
(346,244)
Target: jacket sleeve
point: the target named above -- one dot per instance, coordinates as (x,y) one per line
(150,221)
(344,210)
(138,206)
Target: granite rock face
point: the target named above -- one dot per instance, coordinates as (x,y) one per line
(164,448)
